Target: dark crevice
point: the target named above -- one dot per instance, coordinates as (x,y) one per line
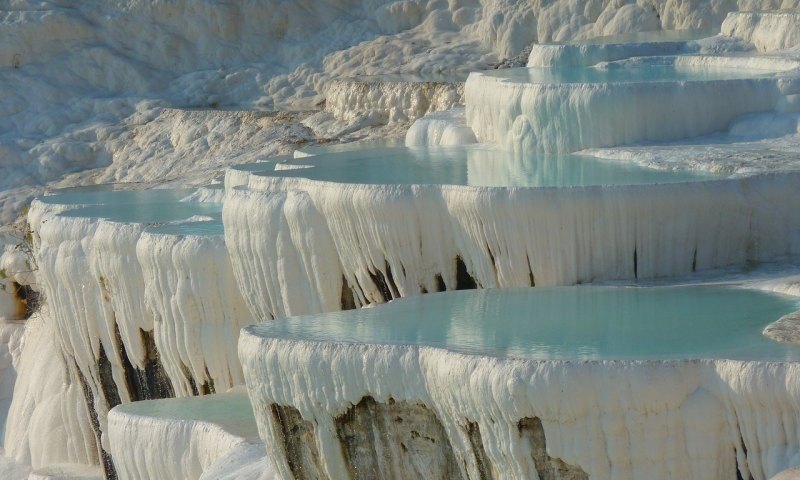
(190,379)
(440,285)
(297,441)
(531,277)
(742,472)
(383,286)
(27,300)
(694,260)
(107,384)
(157,381)
(395,440)
(476,442)
(738,467)
(207,388)
(547,467)
(464,281)
(491,257)
(635,263)
(152,382)
(390,278)
(348,301)
(107,463)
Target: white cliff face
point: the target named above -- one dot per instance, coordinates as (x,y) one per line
(48,420)
(300,272)
(767,31)
(378,242)
(391,99)
(193,296)
(12,333)
(611,419)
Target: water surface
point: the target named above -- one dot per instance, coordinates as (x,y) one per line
(566,323)
(475,166)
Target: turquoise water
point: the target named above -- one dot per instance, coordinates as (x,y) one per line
(477,166)
(139,206)
(260,166)
(150,212)
(204,228)
(231,410)
(566,323)
(354,146)
(617,73)
(108,194)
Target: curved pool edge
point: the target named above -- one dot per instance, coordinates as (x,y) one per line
(642,419)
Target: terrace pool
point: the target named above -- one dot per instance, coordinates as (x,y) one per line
(475,166)
(566,323)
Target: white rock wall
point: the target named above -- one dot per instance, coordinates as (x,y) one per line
(48,420)
(295,244)
(391,101)
(767,31)
(614,419)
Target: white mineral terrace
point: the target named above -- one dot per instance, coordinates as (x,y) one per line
(376,241)
(267,288)
(616,103)
(554,383)
(146,307)
(212,437)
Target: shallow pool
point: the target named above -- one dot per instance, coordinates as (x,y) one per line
(108,194)
(476,166)
(566,323)
(137,206)
(231,410)
(201,228)
(349,146)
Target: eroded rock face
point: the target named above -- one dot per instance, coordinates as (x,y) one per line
(395,440)
(547,467)
(298,442)
(785,330)
(485,470)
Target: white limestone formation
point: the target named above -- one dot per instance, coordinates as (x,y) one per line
(299,246)
(391,99)
(540,116)
(609,419)
(767,31)
(448,128)
(211,437)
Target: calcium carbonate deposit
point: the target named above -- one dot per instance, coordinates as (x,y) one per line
(400,239)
